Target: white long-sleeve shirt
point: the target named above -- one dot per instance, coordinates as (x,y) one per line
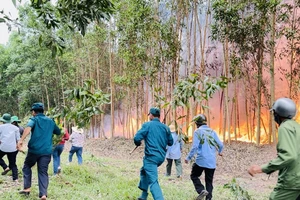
(9,136)
(77,139)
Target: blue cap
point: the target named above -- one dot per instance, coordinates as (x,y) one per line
(154,111)
(37,106)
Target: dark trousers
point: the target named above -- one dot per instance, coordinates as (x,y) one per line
(209,175)
(2,163)
(11,156)
(42,167)
(177,164)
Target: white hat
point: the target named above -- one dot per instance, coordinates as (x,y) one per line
(172,128)
(77,130)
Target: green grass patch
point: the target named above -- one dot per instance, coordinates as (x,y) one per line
(104,178)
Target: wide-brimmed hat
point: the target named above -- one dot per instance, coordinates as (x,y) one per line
(6,118)
(77,130)
(15,119)
(172,128)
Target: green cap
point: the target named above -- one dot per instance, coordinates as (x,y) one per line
(37,106)
(154,111)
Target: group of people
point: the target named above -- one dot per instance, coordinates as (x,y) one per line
(10,132)
(163,142)
(40,148)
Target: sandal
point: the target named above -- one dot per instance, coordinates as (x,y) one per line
(5,172)
(26,193)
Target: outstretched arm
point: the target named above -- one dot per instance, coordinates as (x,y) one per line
(26,132)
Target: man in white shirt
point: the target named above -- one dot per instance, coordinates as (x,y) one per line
(9,136)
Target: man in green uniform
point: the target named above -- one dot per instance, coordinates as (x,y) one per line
(42,129)
(157,137)
(288,153)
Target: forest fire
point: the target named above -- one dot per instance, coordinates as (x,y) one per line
(245,131)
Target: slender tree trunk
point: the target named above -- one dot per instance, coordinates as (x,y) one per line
(272,66)
(226,97)
(258,90)
(292,54)
(112,89)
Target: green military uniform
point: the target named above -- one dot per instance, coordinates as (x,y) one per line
(287,162)
(157,137)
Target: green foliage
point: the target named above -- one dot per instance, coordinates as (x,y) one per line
(206,136)
(196,89)
(73,14)
(56,139)
(135,29)
(237,190)
(84,103)
(146,44)
(78,13)
(244,29)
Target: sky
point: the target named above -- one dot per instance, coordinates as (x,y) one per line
(10,10)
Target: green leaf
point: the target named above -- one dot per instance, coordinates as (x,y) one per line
(14,2)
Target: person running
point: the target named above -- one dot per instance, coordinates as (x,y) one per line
(15,121)
(206,144)
(58,149)
(174,153)
(9,136)
(77,141)
(287,161)
(156,136)
(42,129)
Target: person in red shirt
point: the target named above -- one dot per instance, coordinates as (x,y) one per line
(57,152)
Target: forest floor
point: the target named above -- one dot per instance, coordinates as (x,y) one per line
(110,172)
(236,159)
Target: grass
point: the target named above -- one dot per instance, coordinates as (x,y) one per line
(107,179)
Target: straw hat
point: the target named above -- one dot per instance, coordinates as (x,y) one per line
(77,130)
(172,128)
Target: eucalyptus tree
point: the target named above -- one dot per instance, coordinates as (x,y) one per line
(88,59)
(147,45)
(245,25)
(289,52)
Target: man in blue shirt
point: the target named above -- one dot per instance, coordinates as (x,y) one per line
(156,136)
(42,129)
(205,143)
